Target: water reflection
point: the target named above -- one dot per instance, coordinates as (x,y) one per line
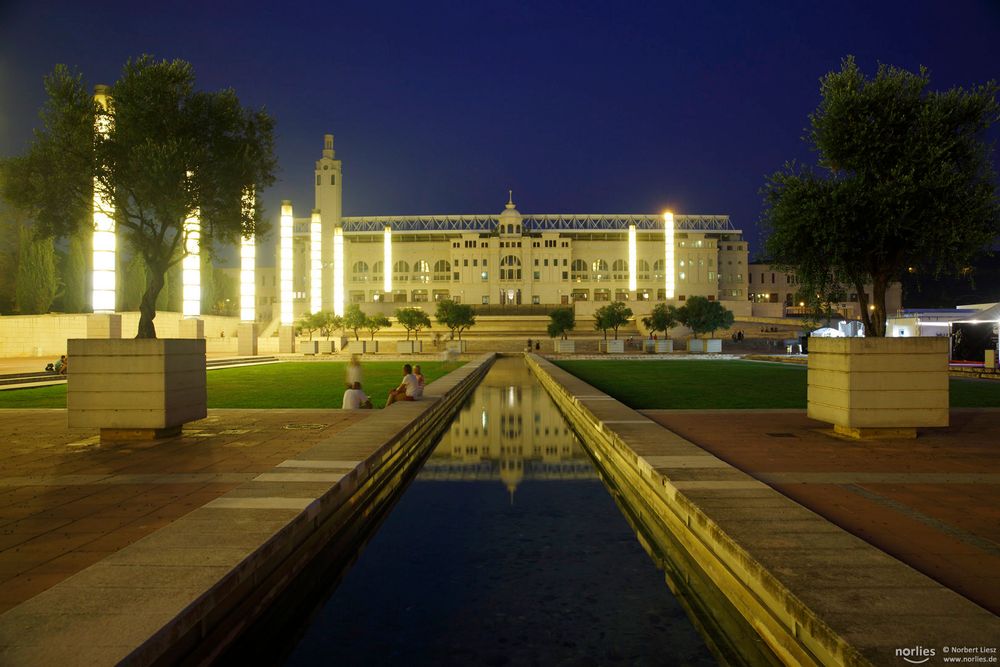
(509,430)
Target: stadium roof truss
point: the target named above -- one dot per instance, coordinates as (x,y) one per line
(533,223)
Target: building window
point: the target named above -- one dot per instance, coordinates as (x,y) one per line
(537,275)
(455,276)
(565,275)
(318,177)
(535,299)
(486,300)
(333,179)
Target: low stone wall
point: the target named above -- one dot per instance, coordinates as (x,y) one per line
(751,566)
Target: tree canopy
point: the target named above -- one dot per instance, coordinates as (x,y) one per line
(376,322)
(611,316)
(354,319)
(904,180)
(662,318)
(704,316)
(413,319)
(456,316)
(563,320)
(169,151)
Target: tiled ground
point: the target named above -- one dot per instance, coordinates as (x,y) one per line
(933,502)
(66,501)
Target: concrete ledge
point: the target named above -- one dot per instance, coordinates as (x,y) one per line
(811,592)
(186,592)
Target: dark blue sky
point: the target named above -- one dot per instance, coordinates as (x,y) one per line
(579,107)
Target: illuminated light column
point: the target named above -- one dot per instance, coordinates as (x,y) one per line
(387,260)
(632,281)
(316,263)
(338,271)
(668,234)
(102,298)
(191,266)
(287,314)
(248,269)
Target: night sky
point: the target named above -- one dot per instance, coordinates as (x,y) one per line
(579,107)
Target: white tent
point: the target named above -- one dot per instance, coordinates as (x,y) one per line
(991,314)
(827,332)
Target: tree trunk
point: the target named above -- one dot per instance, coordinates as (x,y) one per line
(147,308)
(879,285)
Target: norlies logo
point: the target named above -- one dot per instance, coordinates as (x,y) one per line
(917,655)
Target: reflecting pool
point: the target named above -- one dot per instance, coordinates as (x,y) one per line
(505,550)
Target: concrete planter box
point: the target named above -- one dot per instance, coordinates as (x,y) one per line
(309,346)
(867,387)
(136,388)
(409,347)
(709,345)
(565,346)
(455,346)
(663,346)
(325,347)
(362,346)
(611,346)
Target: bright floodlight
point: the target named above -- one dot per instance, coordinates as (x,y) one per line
(102,298)
(287,314)
(316,263)
(387,260)
(632,281)
(191,266)
(248,266)
(338,271)
(668,233)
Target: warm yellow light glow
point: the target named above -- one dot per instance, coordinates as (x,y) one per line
(191,266)
(338,271)
(102,298)
(316,263)
(632,279)
(387,260)
(248,267)
(285,240)
(668,246)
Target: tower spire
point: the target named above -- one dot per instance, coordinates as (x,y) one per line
(510,199)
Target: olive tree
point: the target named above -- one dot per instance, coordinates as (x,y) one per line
(165,151)
(456,316)
(413,319)
(703,316)
(662,318)
(904,179)
(563,321)
(612,316)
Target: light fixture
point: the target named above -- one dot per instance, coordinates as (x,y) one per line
(338,271)
(387,259)
(632,280)
(285,240)
(668,242)
(248,266)
(102,298)
(316,263)
(191,264)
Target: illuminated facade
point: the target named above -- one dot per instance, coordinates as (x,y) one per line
(508,258)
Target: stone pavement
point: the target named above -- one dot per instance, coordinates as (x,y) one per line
(67,501)
(933,502)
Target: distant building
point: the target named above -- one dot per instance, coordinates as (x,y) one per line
(505,259)
(773,294)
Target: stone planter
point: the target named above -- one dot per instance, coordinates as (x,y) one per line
(565,346)
(309,346)
(663,346)
(136,388)
(325,347)
(455,346)
(878,387)
(362,346)
(612,346)
(710,345)
(246,334)
(409,347)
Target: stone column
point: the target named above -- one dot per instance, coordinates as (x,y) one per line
(246,335)
(104,325)
(191,327)
(286,339)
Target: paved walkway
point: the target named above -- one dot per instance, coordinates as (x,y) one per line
(67,502)
(933,502)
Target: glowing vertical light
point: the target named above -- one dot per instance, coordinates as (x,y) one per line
(191,265)
(387,260)
(316,263)
(285,240)
(632,281)
(668,235)
(338,271)
(102,298)
(248,267)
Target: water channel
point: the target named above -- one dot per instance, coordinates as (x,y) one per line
(505,550)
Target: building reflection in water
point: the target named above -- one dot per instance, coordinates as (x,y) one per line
(508,430)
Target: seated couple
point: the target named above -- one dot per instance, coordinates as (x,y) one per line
(410,389)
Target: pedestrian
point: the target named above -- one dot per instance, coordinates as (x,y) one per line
(421,380)
(354,371)
(356,399)
(407,389)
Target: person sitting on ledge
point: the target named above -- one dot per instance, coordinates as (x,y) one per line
(408,388)
(355,399)
(61,366)
(421,380)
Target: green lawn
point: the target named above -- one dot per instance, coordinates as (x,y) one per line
(284,385)
(699,384)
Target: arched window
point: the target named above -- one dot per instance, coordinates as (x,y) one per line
(578,270)
(619,269)
(507,267)
(600,269)
(359,272)
(642,268)
(442,266)
(378,268)
(401,271)
(658,268)
(421,271)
